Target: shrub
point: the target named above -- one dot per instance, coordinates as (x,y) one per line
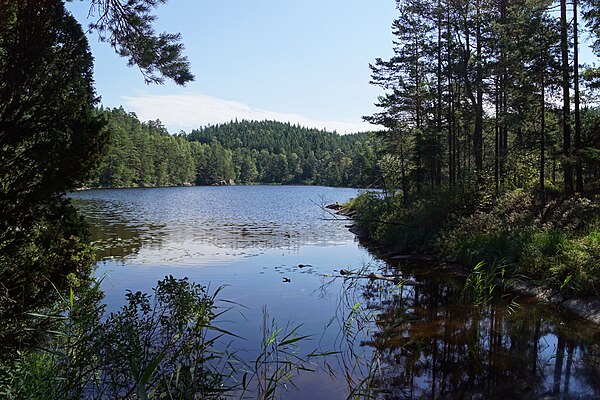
(153,347)
(558,245)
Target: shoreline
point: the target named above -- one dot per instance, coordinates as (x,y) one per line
(85,188)
(587,308)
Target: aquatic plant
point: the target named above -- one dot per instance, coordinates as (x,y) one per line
(164,345)
(280,360)
(483,281)
(355,321)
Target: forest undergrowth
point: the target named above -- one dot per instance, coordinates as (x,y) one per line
(556,245)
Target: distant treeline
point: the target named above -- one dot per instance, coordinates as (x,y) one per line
(145,154)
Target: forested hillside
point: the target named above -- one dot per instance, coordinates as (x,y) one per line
(145,154)
(276,137)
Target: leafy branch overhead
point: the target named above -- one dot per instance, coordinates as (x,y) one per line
(127,26)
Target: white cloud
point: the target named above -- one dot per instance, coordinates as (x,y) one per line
(189,111)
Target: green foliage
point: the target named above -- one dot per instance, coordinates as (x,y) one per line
(159,346)
(410,227)
(489,233)
(51,139)
(280,360)
(127,26)
(482,282)
(54,367)
(557,245)
(370,206)
(144,154)
(51,135)
(31,375)
(467,99)
(285,153)
(575,266)
(54,256)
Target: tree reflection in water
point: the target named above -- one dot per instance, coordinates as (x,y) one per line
(121,229)
(428,342)
(394,342)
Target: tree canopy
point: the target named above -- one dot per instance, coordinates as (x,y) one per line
(51,139)
(144,154)
(127,27)
(471,97)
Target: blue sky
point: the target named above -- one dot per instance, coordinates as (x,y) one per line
(299,61)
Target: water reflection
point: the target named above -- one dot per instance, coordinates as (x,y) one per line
(187,225)
(427,343)
(421,342)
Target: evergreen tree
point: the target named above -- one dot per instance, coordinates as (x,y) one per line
(144,154)
(51,138)
(491,66)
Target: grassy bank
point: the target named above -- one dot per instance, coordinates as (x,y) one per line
(557,245)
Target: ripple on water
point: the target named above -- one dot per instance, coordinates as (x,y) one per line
(274,246)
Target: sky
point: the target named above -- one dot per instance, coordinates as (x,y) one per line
(304,62)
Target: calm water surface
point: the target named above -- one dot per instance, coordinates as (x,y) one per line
(391,343)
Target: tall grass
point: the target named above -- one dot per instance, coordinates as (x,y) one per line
(483,281)
(283,356)
(165,345)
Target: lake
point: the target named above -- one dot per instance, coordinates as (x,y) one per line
(278,252)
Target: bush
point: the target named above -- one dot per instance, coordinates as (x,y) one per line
(410,227)
(558,245)
(154,346)
(576,267)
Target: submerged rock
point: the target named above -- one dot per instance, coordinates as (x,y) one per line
(589,308)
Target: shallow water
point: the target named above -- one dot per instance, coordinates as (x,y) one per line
(408,342)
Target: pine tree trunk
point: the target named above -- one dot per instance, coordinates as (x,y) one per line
(497,139)
(418,137)
(438,134)
(578,166)
(543,143)
(503,105)
(478,134)
(451,139)
(566,123)
(403,175)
